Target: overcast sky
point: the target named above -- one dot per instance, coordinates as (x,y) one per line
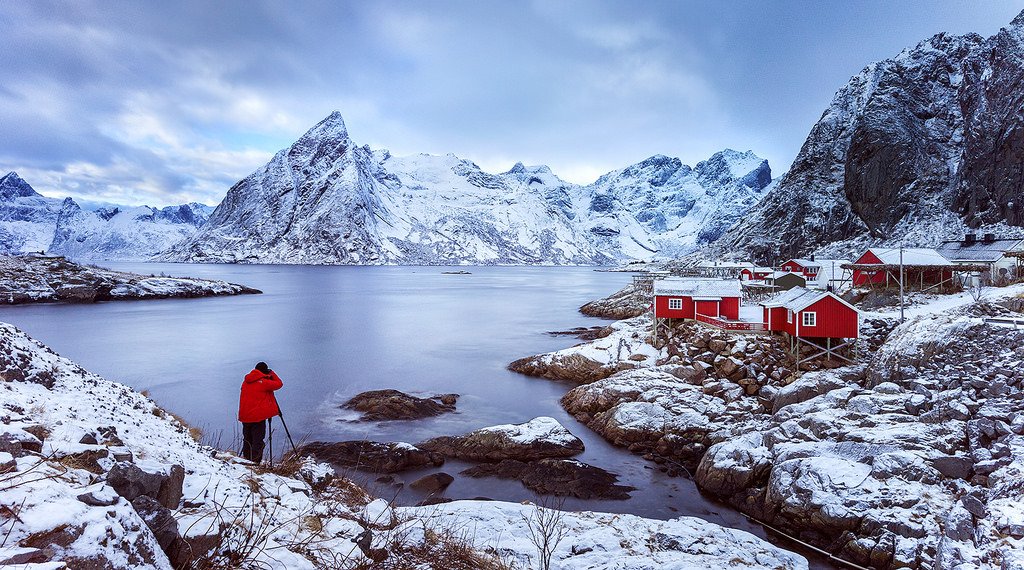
(167,102)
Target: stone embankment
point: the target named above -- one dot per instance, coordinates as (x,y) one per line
(33,279)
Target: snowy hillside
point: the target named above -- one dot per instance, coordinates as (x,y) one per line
(119,234)
(30,222)
(326,200)
(920,147)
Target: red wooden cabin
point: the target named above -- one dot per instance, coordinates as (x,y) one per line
(755,273)
(922,268)
(687,298)
(806,267)
(807,313)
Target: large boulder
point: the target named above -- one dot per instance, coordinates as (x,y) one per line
(373,456)
(130,481)
(559,477)
(379,405)
(539,438)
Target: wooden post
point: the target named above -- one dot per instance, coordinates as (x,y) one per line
(828,349)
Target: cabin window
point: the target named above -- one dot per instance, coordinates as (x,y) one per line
(675,304)
(789,316)
(810,319)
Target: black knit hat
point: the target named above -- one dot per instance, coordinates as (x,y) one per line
(262,367)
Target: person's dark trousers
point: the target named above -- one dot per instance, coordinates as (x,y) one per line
(253,435)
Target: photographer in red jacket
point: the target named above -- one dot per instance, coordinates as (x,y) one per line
(255,406)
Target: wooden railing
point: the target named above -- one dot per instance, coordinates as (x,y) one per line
(731,325)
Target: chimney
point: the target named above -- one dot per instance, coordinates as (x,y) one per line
(969,239)
(812,257)
(989,238)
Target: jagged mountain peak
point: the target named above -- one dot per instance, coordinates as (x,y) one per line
(1018,22)
(328,133)
(13,186)
(728,165)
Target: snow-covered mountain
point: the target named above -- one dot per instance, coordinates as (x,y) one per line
(919,147)
(27,218)
(326,200)
(32,222)
(123,233)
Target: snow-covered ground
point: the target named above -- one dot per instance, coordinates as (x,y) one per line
(60,508)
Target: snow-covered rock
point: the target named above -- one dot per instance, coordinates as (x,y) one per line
(539,438)
(606,542)
(326,200)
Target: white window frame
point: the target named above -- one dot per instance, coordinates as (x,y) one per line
(675,304)
(789,316)
(809,322)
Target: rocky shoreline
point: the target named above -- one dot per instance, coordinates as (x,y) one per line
(914,457)
(95,475)
(39,279)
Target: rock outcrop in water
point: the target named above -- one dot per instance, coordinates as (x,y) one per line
(539,438)
(383,405)
(37,279)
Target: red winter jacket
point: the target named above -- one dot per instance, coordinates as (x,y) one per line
(257,401)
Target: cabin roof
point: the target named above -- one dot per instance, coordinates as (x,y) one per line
(911,256)
(979,250)
(799,298)
(706,288)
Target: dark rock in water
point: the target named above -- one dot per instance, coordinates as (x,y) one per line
(540,438)
(566,478)
(584,333)
(380,405)
(373,456)
(433,483)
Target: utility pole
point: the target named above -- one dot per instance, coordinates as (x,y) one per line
(903,317)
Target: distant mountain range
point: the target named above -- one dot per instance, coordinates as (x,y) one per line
(31,222)
(914,149)
(327,200)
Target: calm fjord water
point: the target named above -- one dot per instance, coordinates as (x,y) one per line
(332,332)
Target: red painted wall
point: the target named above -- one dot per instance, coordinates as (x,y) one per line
(776,316)
(730,308)
(912,277)
(707,308)
(797,268)
(834,320)
(662,311)
(862,277)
